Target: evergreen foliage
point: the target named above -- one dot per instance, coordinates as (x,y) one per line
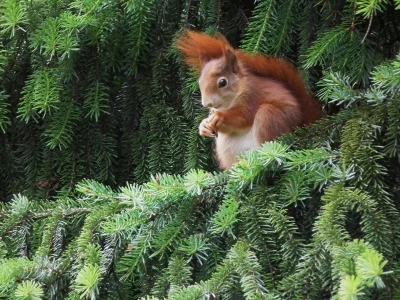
(108,192)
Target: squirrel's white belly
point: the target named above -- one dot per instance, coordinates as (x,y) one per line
(229,146)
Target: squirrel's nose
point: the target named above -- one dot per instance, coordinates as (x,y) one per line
(209,104)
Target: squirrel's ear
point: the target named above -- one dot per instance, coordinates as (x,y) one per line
(231,60)
(204,58)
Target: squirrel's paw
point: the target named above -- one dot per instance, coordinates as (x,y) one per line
(205,129)
(215,121)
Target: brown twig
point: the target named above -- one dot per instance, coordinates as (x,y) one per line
(368,29)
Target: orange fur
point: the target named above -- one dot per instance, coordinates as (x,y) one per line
(270,98)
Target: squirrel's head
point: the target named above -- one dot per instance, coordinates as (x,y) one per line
(216,62)
(220,80)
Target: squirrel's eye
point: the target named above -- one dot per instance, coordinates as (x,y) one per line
(222,83)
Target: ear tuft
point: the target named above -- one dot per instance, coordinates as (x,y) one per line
(199,48)
(223,39)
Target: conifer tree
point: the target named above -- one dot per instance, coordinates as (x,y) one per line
(108,191)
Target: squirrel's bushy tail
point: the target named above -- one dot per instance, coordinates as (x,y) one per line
(284,72)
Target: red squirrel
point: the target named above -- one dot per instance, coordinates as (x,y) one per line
(253,99)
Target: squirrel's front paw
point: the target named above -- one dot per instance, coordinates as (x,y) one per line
(215,121)
(205,129)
